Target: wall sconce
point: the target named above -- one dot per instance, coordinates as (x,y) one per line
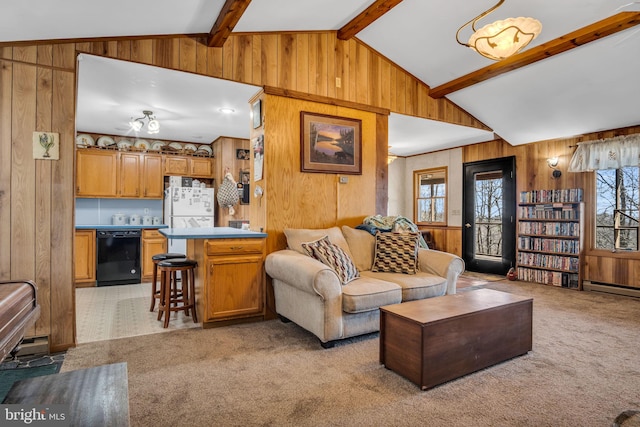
(552,162)
(390,156)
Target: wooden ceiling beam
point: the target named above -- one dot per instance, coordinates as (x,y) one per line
(227,19)
(367,17)
(598,30)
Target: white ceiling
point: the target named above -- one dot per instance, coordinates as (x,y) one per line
(588,89)
(111,92)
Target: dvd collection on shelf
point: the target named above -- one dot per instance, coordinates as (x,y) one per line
(567,195)
(549,237)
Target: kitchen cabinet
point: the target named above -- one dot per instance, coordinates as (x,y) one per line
(153,243)
(201,167)
(232,284)
(102,173)
(96,173)
(196,167)
(85,257)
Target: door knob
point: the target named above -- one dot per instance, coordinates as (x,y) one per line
(467,225)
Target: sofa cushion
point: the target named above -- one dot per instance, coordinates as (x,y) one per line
(416,286)
(333,256)
(362,245)
(367,293)
(396,253)
(297,236)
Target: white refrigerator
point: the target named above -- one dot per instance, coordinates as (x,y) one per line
(187,207)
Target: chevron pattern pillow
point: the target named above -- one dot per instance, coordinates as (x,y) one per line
(396,253)
(333,256)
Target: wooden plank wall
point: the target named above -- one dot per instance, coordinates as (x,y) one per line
(295,199)
(224,150)
(532,172)
(37,88)
(37,92)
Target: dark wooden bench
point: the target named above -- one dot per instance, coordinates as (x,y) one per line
(19,310)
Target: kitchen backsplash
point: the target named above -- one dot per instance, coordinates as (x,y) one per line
(100,211)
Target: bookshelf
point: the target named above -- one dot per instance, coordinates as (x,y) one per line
(550,237)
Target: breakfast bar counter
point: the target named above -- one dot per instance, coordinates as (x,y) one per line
(230,276)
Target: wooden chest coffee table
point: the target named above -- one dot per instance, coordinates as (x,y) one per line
(435,340)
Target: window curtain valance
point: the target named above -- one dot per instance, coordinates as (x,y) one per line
(610,153)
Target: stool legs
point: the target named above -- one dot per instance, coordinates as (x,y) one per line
(154,289)
(172,298)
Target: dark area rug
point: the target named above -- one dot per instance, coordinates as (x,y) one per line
(12,370)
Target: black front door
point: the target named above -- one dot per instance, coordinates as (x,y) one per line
(489,215)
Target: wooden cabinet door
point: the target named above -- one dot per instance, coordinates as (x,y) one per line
(153,243)
(235,287)
(85,256)
(201,168)
(96,173)
(174,165)
(152,179)
(130,175)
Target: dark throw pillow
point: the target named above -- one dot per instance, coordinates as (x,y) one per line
(333,256)
(396,253)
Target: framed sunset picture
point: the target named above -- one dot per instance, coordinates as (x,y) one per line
(330,144)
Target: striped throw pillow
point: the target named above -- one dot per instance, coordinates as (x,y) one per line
(396,253)
(333,256)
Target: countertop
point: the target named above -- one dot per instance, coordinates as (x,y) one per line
(210,233)
(118,227)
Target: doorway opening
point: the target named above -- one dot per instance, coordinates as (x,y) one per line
(489,209)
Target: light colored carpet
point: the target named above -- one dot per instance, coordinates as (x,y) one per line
(110,312)
(584,370)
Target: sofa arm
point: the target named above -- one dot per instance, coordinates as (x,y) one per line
(304,273)
(442,264)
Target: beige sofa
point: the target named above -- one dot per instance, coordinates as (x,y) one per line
(311,294)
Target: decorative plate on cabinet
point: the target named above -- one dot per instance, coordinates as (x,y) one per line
(141,144)
(190,148)
(124,144)
(157,145)
(105,141)
(84,140)
(176,146)
(204,150)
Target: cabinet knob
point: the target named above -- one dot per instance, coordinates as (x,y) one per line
(236,248)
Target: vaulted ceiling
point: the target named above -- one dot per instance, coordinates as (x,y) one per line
(579,76)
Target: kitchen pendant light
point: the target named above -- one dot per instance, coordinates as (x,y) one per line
(501,39)
(153,125)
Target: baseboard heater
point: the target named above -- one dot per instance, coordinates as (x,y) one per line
(588,285)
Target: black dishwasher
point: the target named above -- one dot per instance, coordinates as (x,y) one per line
(118,257)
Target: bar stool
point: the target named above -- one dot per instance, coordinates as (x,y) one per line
(155,293)
(170,298)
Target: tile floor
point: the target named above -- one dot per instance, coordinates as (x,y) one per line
(110,312)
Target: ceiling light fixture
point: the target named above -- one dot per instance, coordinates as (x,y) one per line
(501,39)
(153,125)
(226,110)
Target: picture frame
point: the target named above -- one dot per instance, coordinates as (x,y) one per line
(256,110)
(243,154)
(330,144)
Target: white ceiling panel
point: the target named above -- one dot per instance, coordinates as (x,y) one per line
(62,19)
(587,89)
(111,92)
(426,31)
(296,15)
(413,135)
